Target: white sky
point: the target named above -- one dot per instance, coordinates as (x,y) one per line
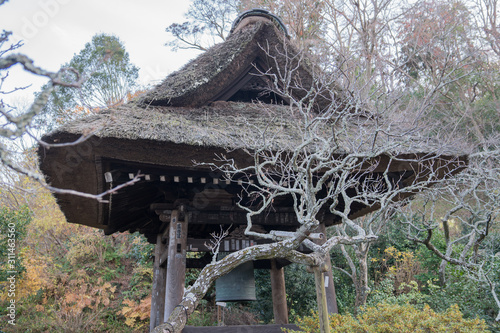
(54,30)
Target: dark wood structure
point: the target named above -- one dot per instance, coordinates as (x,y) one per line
(193,115)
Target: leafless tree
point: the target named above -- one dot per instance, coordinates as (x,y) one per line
(327,155)
(488,12)
(464,211)
(208,22)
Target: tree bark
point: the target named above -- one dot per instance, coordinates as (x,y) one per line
(281,249)
(193,295)
(362,281)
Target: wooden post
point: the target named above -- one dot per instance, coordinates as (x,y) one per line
(159,282)
(331,296)
(176,265)
(324,323)
(280,309)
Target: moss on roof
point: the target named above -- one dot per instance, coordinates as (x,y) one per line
(238,125)
(222,124)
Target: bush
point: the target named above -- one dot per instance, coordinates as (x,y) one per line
(13,225)
(300,292)
(393,318)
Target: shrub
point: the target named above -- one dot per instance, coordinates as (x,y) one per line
(393,318)
(300,292)
(407,293)
(89,246)
(136,315)
(13,225)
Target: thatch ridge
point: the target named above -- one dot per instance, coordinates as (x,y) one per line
(193,85)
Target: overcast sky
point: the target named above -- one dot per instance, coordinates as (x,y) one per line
(54,30)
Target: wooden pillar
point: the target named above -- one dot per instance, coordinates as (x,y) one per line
(324,323)
(159,282)
(331,296)
(176,265)
(280,309)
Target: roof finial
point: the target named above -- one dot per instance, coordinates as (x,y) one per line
(262,13)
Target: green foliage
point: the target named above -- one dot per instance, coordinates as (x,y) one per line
(89,248)
(264,306)
(204,315)
(87,288)
(141,250)
(344,287)
(406,293)
(110,74)
(430,262)
(109,79)
(395,318)
(401,272)
(300,289)
(474,299)
(13,229)
(140,283)
(301,292)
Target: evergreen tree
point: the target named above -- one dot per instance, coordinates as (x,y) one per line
(108,78)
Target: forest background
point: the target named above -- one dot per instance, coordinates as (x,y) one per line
(74,279)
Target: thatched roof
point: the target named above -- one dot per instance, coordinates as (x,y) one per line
(239,125)
(256,45)
(222,124)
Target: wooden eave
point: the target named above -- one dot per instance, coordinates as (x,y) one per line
(87,165)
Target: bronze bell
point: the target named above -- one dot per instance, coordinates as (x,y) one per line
(237,285)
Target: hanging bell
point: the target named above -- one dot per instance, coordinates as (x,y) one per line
(237,285)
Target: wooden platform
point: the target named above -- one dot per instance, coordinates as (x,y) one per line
(238,329)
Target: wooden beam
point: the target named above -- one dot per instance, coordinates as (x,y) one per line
(278,290)
(239,218)
(176,265)
(163,259)
(207,259)
(159,283)
(228,245)
(226,215)
(324,323)
(194,262)
(161,206)
(331,296)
